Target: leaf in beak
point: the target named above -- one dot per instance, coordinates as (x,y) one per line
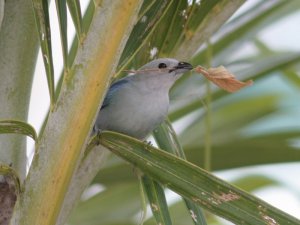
(223,78)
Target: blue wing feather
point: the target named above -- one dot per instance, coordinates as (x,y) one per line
(112,90)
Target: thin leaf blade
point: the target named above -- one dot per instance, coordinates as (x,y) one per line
(61,8)
(157,200)
(17,127)
(75,11)
(43,25)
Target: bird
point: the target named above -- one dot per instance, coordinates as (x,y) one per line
(137,104)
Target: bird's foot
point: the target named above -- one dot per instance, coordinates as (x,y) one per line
(149,143)
(98,134)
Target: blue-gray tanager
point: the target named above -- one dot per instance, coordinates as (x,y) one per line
(137,104)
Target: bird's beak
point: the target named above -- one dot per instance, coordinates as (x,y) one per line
(184,67)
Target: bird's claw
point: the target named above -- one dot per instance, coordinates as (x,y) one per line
(98,134)
(149,143)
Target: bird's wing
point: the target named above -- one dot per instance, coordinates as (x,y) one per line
(112,90)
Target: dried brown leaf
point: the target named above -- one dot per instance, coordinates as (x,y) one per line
(223,78)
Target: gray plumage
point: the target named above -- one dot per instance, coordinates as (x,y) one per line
(137,104)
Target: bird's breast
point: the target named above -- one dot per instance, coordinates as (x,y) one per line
(135,112)
(147,111)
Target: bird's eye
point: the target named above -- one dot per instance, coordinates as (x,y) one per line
(162,65)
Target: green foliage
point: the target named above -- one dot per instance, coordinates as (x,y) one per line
(237,128)
(195,184)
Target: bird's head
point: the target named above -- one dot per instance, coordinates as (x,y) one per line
(165,66)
